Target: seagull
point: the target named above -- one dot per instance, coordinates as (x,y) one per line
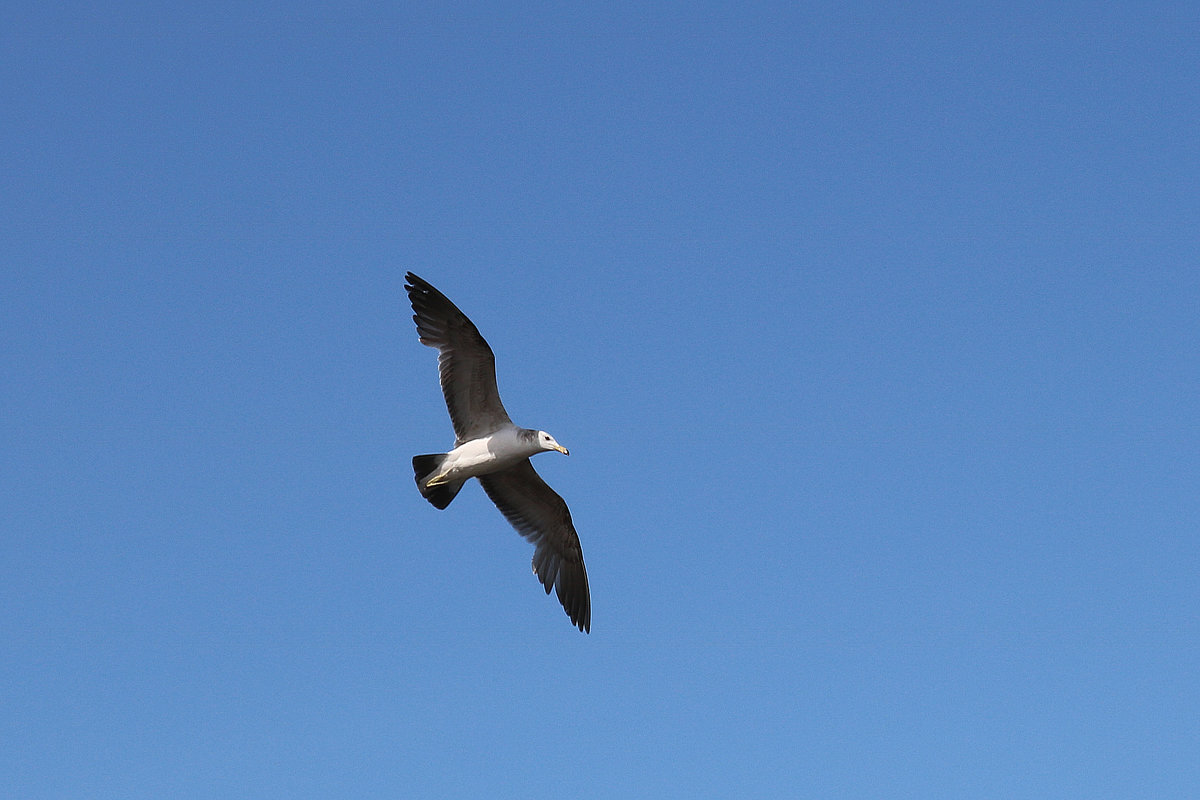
(488,446)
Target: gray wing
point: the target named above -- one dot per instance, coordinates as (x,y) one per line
(541,516)
(465,362)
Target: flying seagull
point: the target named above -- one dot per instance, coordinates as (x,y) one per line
(488,446)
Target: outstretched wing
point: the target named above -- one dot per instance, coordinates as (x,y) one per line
(541,516)
(465,362)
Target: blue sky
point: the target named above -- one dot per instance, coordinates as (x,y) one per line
(873,335)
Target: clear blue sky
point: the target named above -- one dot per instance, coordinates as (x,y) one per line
(875,338)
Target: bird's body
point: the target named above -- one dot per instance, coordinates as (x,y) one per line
(489,447)
(486,454)
(490,453)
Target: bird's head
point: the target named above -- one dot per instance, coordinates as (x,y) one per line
(546,442)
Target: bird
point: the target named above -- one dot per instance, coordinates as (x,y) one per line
(490,448)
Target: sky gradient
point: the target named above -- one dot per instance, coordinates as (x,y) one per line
(873,337)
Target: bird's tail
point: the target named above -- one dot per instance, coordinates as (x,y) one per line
(439,494)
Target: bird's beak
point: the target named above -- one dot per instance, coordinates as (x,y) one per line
(562,449)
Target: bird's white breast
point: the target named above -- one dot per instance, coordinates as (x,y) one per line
(486,454)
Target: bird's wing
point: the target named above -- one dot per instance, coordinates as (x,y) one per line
(465,362)
(541,516)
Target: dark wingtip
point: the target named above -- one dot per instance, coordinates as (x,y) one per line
(570,584)
(575,597)
(415,284)
(583,619)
